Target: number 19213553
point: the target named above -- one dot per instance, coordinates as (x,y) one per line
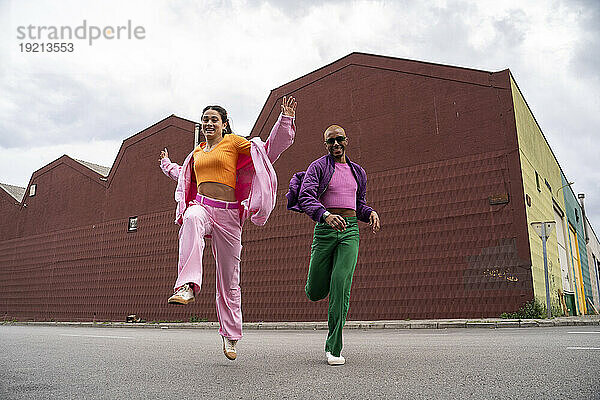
(46,47)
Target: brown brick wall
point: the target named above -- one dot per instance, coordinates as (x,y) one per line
(67,195)
(9,211)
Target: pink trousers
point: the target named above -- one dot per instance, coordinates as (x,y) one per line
(223,226)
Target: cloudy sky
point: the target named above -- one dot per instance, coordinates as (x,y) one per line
(86,102)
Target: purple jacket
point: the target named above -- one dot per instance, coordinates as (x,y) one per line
(315,182)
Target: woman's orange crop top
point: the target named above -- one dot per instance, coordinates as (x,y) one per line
(219,164)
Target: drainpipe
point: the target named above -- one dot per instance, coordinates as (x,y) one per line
(196,134)
(581,196)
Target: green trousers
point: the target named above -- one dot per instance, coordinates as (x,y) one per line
(333,258)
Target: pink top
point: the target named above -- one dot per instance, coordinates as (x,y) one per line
(341,192)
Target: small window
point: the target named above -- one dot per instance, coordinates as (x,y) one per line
(133,221)
(548,185)
(576,215)
(537,181)
(32,190)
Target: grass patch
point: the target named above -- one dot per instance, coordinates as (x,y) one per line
(197,318)
(533,309)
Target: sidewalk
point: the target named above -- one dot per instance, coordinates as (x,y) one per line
(490,323)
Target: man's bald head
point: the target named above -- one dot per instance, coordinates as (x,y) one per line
(336,129)
(336,142)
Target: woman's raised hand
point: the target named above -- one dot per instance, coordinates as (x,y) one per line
(164,154)
(288,107)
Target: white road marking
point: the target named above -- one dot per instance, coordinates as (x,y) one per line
(583,348)
(583,333)
(99,336)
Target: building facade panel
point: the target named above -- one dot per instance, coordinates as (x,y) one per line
(9,213)
(578,257)
(593,252)
(67,194)
(542,182)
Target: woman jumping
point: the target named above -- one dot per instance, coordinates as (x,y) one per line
(225,180)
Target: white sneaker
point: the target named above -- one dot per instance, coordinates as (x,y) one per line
(333,360)
(183,295)
(229,348)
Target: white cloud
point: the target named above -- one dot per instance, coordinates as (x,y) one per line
(18,164)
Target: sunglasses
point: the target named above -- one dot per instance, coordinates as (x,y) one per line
(338,139)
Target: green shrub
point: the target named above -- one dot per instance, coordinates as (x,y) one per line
(530,310)
(197,318)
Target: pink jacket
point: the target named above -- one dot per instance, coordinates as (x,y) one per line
(256,185)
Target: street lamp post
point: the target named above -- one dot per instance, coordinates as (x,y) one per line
(543,229)
(562,187)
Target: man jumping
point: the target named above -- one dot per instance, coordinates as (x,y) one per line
(333,194)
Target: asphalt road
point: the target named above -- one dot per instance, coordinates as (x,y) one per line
(123,363)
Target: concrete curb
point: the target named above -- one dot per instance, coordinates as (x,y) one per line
(588,320)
